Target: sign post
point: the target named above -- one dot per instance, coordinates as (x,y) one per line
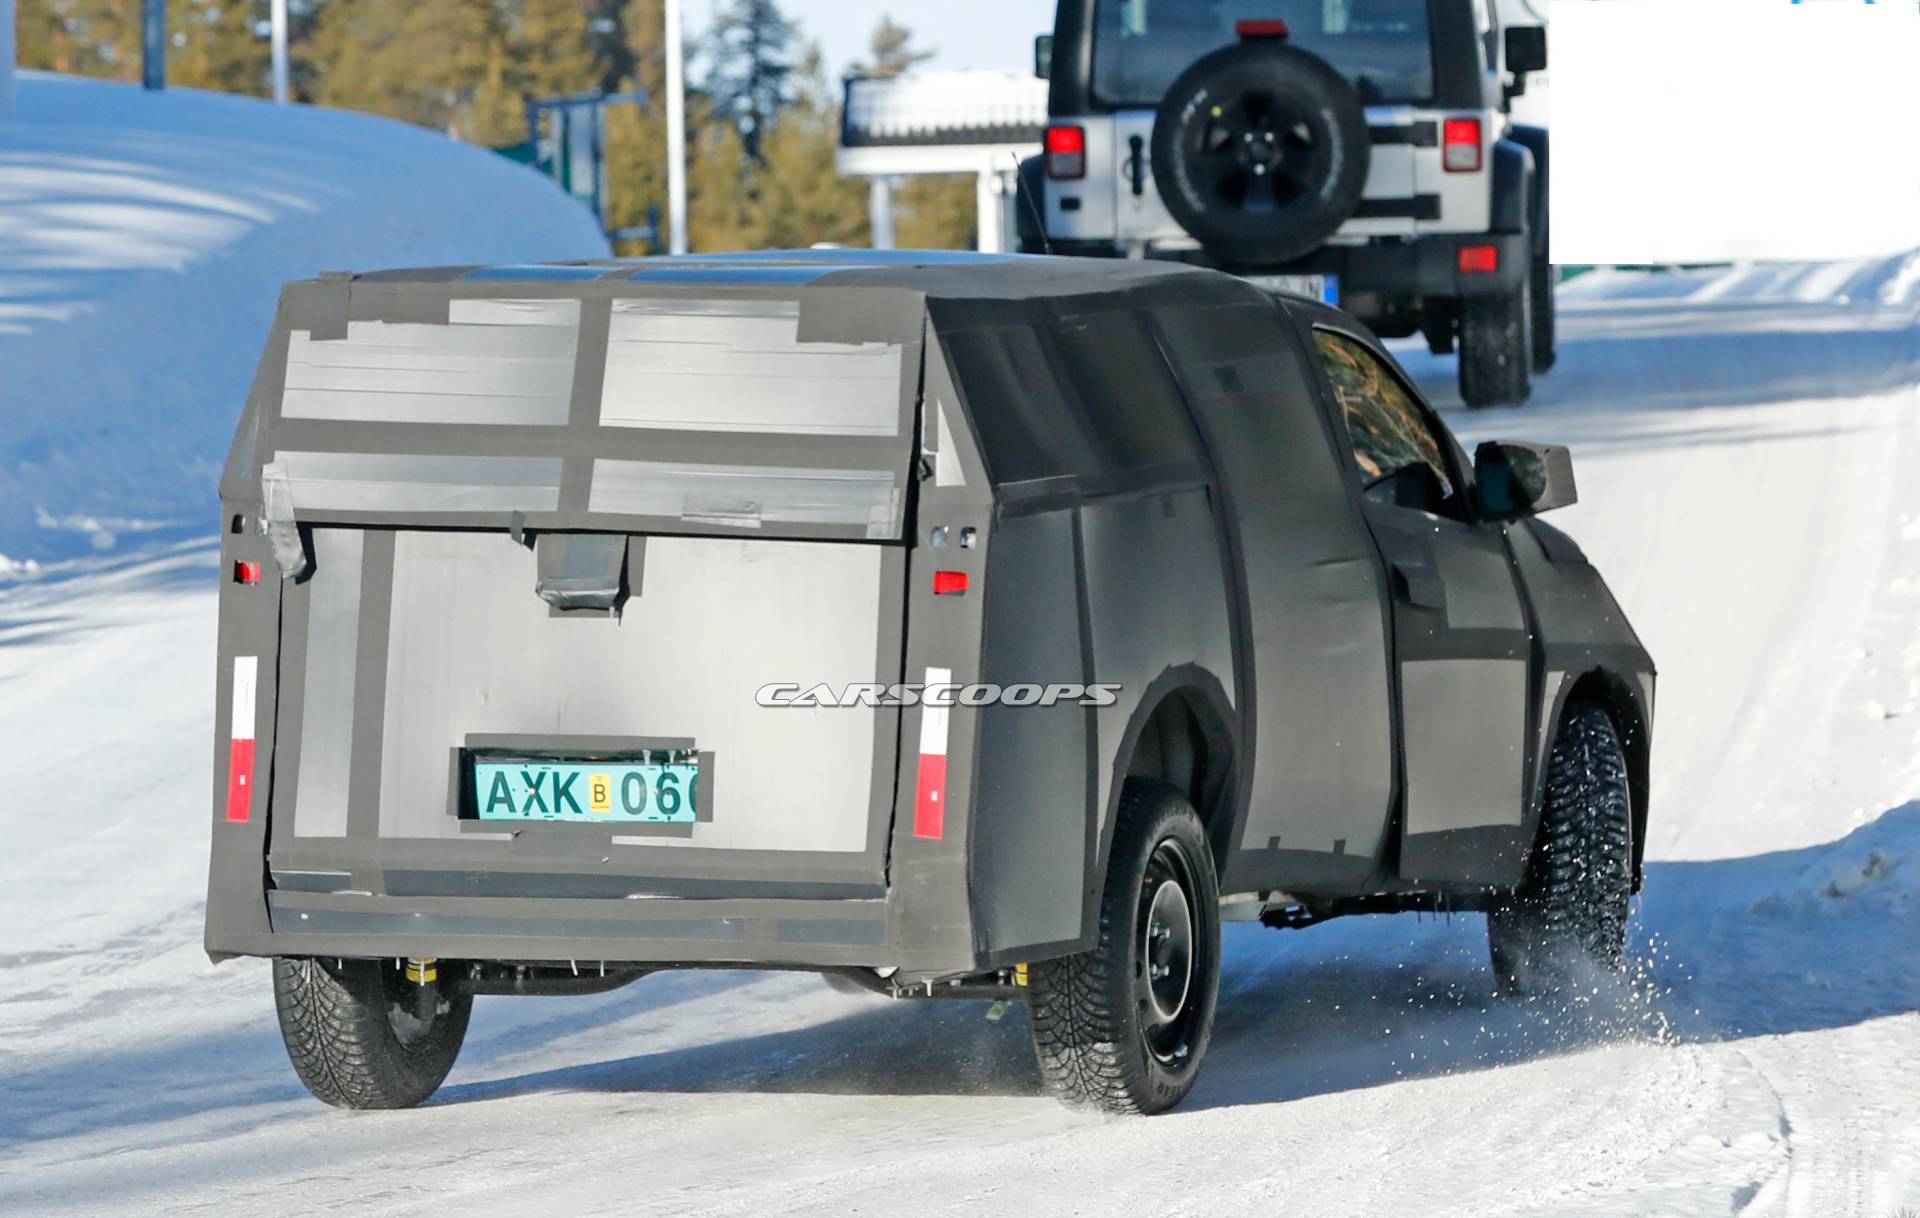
(153,44)
(278,14)
(676,53)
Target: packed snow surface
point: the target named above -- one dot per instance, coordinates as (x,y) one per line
(143,241)
(1749,468)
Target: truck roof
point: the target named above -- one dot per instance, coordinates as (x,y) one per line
(938,273)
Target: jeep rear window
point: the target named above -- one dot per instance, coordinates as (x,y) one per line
(1141,46)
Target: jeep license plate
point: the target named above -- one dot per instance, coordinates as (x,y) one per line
(1324,288)
(608,792)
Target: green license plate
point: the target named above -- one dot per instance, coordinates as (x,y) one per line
(606,792)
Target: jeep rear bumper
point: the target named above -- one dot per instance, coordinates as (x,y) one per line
(1419,267)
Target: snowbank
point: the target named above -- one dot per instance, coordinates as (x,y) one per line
(143,239)
(1869,282)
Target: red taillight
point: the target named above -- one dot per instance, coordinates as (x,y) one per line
(1460,145)
(945,582)
(245,572)
(1261,29)
(1066,153)
(1479,259)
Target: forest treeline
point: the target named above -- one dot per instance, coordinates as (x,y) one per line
(763,117)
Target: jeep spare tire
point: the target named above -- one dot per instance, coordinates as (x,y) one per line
(1261,151)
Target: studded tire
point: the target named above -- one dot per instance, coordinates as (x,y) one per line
(1566,925)
(353,1033)
(1100,1027)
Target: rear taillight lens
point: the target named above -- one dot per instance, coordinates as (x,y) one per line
(245,572)
(1460,145)
(946,583)
(1479,259)
(1066,153)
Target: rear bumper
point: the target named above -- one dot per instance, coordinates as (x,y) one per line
(1420,267)
(1404,269)
(771,932)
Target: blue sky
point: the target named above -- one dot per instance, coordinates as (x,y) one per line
(969,34)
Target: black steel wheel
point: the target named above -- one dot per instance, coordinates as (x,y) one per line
(1124,1026)
(361,1035)
(1261,152)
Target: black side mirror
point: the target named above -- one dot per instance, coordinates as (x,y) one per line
(1043,56)
(1516,479)
(1526,49)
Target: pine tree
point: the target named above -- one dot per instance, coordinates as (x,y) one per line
(931,211)
(798,196)
(891,47)
(446,64)
(220,44)
(637,136)
(553,47)
(750,56)
(84,37)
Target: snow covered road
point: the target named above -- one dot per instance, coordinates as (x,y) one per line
(1749,464)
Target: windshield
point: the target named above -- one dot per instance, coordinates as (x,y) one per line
(1141,46)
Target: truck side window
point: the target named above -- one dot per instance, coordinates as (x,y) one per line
(1395,452)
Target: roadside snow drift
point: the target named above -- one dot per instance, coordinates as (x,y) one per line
(143,241)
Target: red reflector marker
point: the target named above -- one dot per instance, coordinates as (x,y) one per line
(245,572)
(1261,29)
(949,581)
(1460,140)
(246,670)
(1066,153)
(1479,259)
(930,787)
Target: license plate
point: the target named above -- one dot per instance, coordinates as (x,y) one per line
(606,792)
(1324,288)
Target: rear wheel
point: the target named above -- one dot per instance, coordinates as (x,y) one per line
(1545,341)
(361,1035)
(1567,922)
(1123,1026)
(1496,347)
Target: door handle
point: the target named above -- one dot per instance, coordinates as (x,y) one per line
(1420,583)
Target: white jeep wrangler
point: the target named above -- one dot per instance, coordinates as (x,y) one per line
(1360,150)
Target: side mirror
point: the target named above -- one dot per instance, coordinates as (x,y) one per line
(1515,479)
(1526,49)
(1043,56)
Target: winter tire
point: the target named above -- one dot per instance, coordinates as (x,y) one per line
(1567,921)
(1261,152)
(1545,340)
(1123,1026)
(355,1031)
(1496,348)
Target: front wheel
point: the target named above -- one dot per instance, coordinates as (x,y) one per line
(362,1035)
(1124,1025)
(1566,925)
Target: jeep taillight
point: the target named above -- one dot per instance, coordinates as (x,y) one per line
(1066,153)
(1460,145)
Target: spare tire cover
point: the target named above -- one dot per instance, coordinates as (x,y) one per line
(1261,151)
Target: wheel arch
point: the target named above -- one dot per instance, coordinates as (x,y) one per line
(1617,696)
(1182,733)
